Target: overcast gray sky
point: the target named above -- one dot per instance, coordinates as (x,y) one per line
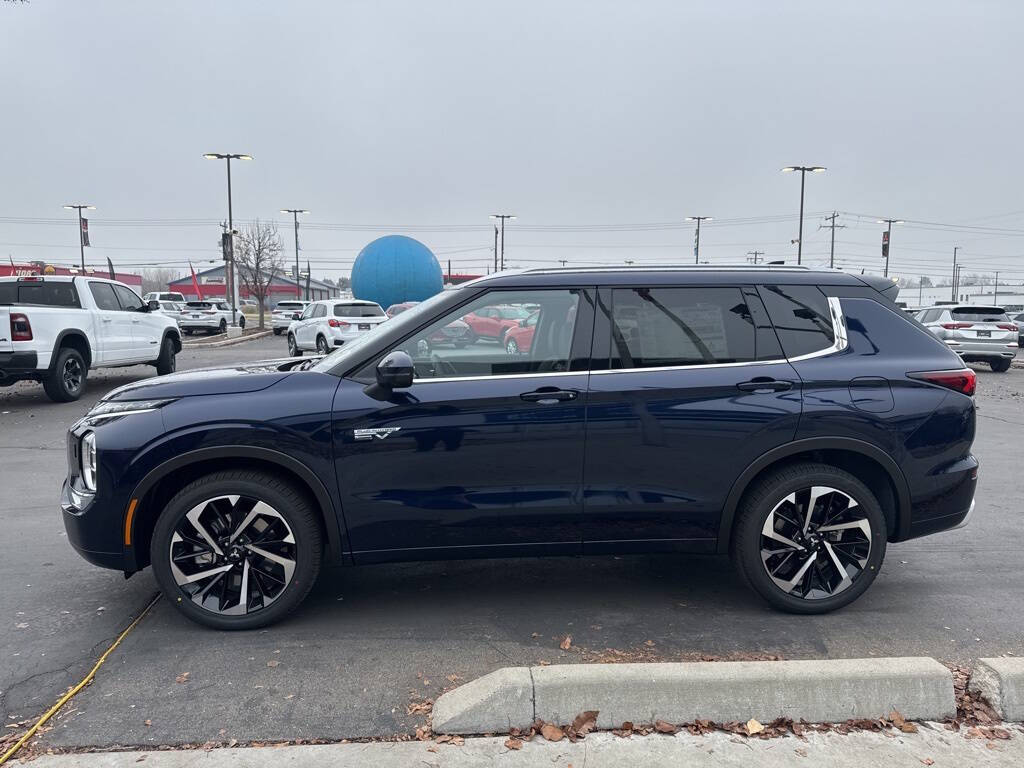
(425,117)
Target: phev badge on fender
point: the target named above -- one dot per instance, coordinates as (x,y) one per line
(379,432)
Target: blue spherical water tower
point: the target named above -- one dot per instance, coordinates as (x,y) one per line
(396,268)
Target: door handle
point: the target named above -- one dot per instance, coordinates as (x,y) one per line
(765,385)
(136,322)
(106,319)
(549,396)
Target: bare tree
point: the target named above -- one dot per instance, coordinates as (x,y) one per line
(259,259)
(158,279)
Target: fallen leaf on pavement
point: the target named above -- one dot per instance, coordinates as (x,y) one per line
(662,727)
(273,663)
(927,761)
(551,732)
(897,718)
(801,751)
(584,722)
(147,723)
(182,678)
(566,643)
(753,727)
(514,743)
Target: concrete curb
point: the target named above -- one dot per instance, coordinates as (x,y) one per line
(1001,682)
(816,691)
(226,342)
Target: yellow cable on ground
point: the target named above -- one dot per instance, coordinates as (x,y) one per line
(84,682)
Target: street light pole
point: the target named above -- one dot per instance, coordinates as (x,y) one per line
(295,220)
(696,250)
(502,216)
(230,282)
(888,240)
(803,172)
(81,234)
(952,296)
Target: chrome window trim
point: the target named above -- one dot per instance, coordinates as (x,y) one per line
(549,374)
(699,366)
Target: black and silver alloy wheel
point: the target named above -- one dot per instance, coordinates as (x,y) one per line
(73,374)
(237,549)
(232,555)
(816,542)
(321,345)
(809,538)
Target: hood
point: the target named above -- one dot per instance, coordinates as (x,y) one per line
(247,377)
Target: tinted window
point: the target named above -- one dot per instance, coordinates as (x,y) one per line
(801,317)
(980,314)
(448,347)
(198,305)
(320,311)
(289,305)
(62,294)
(357,310)
(128,298)
(103,294)
(680,326)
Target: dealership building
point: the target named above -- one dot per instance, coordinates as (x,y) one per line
(212,284)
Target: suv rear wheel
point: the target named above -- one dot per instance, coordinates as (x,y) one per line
(67,380)
(237,549)
(810,538)
(321,345)
(1002,365)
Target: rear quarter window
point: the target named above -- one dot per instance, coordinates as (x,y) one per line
(62,294)
(801,316)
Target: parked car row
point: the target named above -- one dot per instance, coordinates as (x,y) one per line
(979,334)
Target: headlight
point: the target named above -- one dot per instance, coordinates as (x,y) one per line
(88,460)
(108,408)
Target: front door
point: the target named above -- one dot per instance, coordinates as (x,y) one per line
(694,388)
(113,326)
(483,455)
(145,343)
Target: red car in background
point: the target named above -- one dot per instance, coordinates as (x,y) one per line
(494,322)
(519,338)
(456,333)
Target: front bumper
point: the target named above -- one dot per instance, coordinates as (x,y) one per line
(79,511)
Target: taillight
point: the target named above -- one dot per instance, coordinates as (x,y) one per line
(336,323)
(963,381)
(957,326)
(1007,326)
(21,328)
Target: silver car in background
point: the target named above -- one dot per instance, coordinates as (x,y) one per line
(979,334)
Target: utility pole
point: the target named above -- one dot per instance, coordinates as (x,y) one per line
(495,247)
(754,254)
(920,291)
(953,292)
(833,226)
(696,247)
(956,282)
(886,239)
(502,216)
(81,229)
(295,220)
(995,295)
(230,283)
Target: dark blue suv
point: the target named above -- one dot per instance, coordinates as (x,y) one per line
(794,418)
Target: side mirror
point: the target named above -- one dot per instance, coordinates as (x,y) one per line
(295,315)
(395,371)
(153,306)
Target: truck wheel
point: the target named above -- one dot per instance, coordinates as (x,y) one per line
(67,382)
(165,363)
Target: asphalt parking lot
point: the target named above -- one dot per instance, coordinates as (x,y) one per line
(369,640)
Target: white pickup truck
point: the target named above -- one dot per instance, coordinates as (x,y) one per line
(55,329)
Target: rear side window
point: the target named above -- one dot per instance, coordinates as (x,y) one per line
(130,301)
(357,310)
(103,295)
(62,294)
(980,314)
(801,316)
(656,327)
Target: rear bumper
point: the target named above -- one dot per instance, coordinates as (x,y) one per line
(15,366)
(213,322)
(983,350)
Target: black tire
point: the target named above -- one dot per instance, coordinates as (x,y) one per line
(223,326)
(772,490)
(1002,365)
(241,322)
(66,383)
(166,364)
(293,347)
(470,337)
(288,502)
(321,346)
(277,331)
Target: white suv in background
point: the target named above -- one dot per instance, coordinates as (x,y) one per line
(331,323)
(283,314)
(209,316)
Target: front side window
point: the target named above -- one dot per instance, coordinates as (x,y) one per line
(454,346)
(320,311)
(659,327)
(307,312)
(130,301)
(103,295)
(801,316)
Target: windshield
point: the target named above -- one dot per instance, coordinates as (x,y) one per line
(409,319)
(980,314)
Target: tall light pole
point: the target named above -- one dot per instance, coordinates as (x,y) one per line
(502,216)
(229,156)
(886,244)
(952,296)
(804,170)
(696,249)
(295,220)
(81,235)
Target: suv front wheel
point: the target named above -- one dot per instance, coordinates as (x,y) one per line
(810,538)
(236,549)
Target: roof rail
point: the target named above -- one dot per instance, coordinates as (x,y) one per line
(682,268)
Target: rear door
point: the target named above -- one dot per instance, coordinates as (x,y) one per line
(689,386)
